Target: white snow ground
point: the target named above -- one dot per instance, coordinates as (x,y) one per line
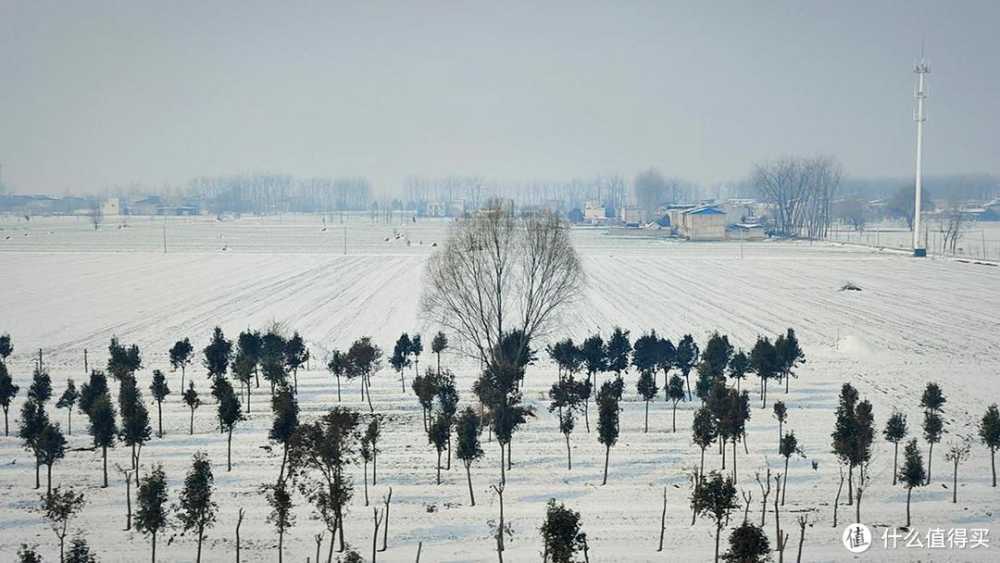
(67,288)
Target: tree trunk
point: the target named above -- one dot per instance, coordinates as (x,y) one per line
(239,522)
(909,491)
(191,432)
(701,469)
(128,502)
(780,424)
(154,546)
(366,482)
(764,395)
(182,379)
(675,417)
(374,466)
(663,519)
(374,537)
(569,455)
(895,460)
(722,450)
(284,460)
(385,521)
(468,475)
(607,454)
(993,465)
(850,484)
(954,484)
(930,458)
(229,450)
(48,478)
(718,532)
(338,400)
(802,539)
(503,465)
(159,416)
(785,488)
(645,425)
(449,452)
(734,460)
(836,500)
(6,425)
(104,454)
(70,421)
(281,543)
(201,536)
(439,468)
(38,474)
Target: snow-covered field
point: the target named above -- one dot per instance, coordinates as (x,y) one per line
(67,288)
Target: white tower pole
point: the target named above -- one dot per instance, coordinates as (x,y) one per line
(921,70)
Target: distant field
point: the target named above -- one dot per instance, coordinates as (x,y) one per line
(68,287)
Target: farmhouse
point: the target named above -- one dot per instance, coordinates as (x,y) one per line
(699,223)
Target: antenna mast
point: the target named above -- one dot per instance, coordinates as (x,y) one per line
(921,69)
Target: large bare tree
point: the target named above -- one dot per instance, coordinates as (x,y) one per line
(500,273)
(801,190)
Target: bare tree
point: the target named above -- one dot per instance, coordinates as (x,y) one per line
(801,190)
(498,274)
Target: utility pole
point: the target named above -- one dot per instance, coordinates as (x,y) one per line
(921,69)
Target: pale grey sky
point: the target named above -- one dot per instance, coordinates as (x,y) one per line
(94,94)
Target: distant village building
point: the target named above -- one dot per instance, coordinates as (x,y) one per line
(631,215)
(700,223)
(111,207)
(746,231)
(594,212)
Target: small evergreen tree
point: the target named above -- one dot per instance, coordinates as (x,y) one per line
(647,390)
(561,534)
(645,353)
(748,544)
(217,354)
(180,356)
(447,399)
(912,473)
(426,388)
(595,357)
(123,361)
(567,397)
(40,390)
(151,516)
(6,348)
(933,430)
(196,510)
(243,369)
(675,392)
(79,552)
(103,428)
(279,497)
(296,356)
(250,345)
(780,413)
(468,449)
(338,367)
(666,356)
(400,359)
(372,435)
(739,366)
(135,430)
(718,352)
(686,359)
(439,435)
(27,554)
(59,506)
(932,399)
(416,348)
(193,402)
(33,423)
(765,363)
(989,434)
(618,351)
(284,423)
(715,499)
(67,401)
(364,359)
(272,358)
(159,390)
(607,424)
(51,448)
(895,431)
(94,389)
(790,355)
(789,447)
(7,393)
(230,413)
(439,344)
(704,432)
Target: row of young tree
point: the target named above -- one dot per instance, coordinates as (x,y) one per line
(721,418)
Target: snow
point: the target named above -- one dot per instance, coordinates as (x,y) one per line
(68,287)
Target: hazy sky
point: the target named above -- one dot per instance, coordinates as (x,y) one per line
(95,94)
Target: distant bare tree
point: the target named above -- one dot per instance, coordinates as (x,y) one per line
(96,214)
(499,273)
(801,190)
